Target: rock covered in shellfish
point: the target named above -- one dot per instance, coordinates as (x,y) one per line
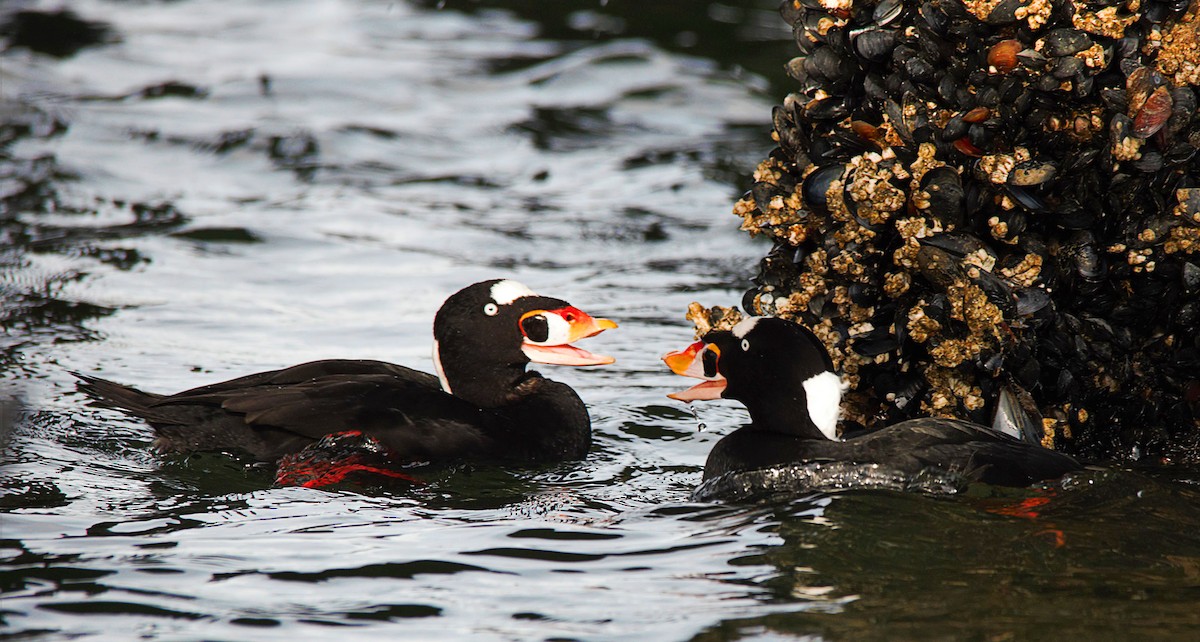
(972,197)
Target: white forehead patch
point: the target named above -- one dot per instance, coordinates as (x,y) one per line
(824,394)
(507,291)
(745,326)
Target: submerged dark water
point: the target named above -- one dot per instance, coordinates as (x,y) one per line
(213,188)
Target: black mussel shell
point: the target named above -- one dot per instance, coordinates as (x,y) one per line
(1017,414)
(1030,301)
(1084,257)
(874,43)
(1149,162)
(876,341)
(1066,68)
(887,11)
(955,128)
(957,243)
(790,12)
(1115,99)
(1025,197)
(939,267)
(1004,13)
(825,65)
(1065,42)
(1032,59)
(1080,159)
(816,186)
(1183,109)
(830,108)
(946,197)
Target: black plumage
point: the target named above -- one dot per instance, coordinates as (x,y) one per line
(782,373)
(496,411)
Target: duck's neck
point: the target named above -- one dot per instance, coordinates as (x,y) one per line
(789,419)
(810,411)
(491,388)
(484,385)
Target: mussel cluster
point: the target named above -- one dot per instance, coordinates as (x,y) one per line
(985,200)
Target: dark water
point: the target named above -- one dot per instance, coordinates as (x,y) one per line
(218,187)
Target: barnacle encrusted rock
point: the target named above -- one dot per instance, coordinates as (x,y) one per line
(974,196)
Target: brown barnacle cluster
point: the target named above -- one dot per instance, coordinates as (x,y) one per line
(715,318)
(780,215)
(977,196)
(1109,21)
(1026,272)
(1180,50)
(1182,240)
(950,390)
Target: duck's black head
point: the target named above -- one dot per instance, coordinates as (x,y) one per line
(778,369)
(486,333)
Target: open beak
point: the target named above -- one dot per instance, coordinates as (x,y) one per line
(687,362)
(549,334)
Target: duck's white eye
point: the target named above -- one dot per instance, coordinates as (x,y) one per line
(745,345)
(491,309)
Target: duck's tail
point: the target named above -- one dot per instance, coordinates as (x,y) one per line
(111,394)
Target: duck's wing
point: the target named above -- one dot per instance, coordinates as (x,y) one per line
(1015,463)
(270,414)
(974,451)
(414,420)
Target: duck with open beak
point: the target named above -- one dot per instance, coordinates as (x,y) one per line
(481,405)
(698,360)
(784,376)
(548,335)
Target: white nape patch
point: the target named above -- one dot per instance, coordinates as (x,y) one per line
(437,367)
(507,291)
(745,326)
(824,393)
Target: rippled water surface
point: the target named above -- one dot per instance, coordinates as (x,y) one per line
(219,187)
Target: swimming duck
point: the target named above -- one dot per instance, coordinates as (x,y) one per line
(783,374)
(482,403)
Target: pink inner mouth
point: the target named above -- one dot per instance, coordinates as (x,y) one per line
(564,355)
(703,391)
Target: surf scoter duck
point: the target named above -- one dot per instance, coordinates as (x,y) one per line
(783,374)
(481,405)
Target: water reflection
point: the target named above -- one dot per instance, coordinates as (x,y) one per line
(1102,550)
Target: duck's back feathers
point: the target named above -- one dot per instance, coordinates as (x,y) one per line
(971,450)
(975,452)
